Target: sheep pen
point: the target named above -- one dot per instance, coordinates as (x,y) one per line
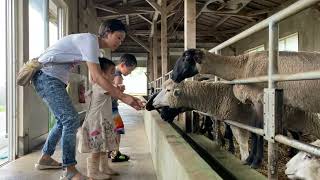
(300,94)
(218,99)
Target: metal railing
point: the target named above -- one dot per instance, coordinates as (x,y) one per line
(272,77)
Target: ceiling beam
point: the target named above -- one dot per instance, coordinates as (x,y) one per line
(202,8)
(106,8)
(154,20)
(125,2)
(172,5)
(120,15)
(140,42)
(168,15)
(154,5)
(174,20)
(144,18)
(124,9)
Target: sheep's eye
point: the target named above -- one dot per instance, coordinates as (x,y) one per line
(168,90)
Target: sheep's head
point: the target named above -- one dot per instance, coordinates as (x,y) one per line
(168,114)
(163,98)
(149,105)
(186,65)
(304,165)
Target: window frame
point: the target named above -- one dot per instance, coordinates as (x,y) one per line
(287,37)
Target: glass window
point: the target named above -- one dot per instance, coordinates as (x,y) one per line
(37,20)
(53,23)
(3,120)
(289,43)
(136,82)
(258,48)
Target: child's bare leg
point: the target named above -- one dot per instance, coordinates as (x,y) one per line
(104,165)
(116,155)
(93,167)
(118,141)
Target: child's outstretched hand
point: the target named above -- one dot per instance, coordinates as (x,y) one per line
(121,87)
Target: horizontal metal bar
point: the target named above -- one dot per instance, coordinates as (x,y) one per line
(246,127)
(289,11)
(298,145)
(168,73)
(312,75)
(237,124)
(203,113)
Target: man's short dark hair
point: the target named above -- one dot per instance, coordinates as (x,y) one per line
(129,60)
(111,25)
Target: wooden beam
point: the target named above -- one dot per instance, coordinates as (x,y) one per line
(224,19)
(150,70)
(141,43)
(164,41)
(144,18)
(168,15)
(221,21)
(199,33)
(189,24)
(124,9)
(106,8)
(154,5)
(172,5)
(202,8)
(174,20)
(155,48)
(120,15)
(154,21)
(125,2)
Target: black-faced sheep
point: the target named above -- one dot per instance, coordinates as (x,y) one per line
(304,166)
(300,94)
(218,99)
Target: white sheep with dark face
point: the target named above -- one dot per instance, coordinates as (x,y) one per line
(304,165)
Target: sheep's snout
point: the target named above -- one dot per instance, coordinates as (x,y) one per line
(160,100)
(149,106)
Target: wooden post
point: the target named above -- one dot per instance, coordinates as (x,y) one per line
(189,42)
(155,50)
(189,24)
(164,43)
(150,61)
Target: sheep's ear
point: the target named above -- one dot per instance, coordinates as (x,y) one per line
(199,54)
(177,92)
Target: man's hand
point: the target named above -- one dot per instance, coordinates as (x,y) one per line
(132,101)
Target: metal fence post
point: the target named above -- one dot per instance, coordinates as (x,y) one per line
(271,104)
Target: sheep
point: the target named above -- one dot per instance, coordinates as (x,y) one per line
(222,107)
(219,100)
(299,94)
(304,165)
(168,114)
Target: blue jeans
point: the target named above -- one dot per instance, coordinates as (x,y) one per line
(54,94)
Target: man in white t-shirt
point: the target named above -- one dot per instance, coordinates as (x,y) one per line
(51,80)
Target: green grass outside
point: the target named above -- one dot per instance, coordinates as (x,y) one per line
(2,108)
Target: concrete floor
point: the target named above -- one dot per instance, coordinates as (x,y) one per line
(134,143)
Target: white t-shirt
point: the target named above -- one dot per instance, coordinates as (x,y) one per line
(70,51)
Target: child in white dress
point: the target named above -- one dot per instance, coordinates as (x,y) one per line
(97,134)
